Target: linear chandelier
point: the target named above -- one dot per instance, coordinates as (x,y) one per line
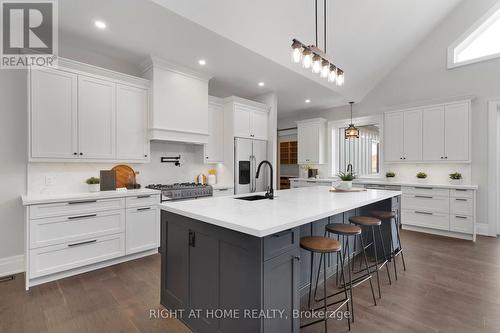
(311,56)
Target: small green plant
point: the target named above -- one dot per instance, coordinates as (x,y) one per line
(390,174)
(456,176)
(346,176)
(421,175)
(93,181)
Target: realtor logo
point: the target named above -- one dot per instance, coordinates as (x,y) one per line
(29,33)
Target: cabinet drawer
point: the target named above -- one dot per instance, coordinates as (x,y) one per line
(425,190)
(461,206)
(143,229)
(460,223)
(460,193)
(142,200)
(75,207)
(426,203)
(57,258)
(426,219)
(63,229)
(281,242)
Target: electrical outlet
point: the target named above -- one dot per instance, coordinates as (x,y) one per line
(49,180)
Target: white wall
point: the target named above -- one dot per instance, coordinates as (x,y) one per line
(423,78)
(13,156)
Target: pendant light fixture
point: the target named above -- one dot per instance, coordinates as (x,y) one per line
(351,132)
(314,58)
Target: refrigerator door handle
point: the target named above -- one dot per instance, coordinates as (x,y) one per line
(252,176)
(251,173)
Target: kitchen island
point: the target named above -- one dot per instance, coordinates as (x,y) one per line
(231,265)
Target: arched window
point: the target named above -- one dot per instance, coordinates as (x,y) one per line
(481,42)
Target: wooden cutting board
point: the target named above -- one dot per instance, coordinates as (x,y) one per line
(354,189)
(124,174)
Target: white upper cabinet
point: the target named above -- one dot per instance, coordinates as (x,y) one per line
(438,133)
(131,123)
(214,149)
(412,136)
(433,140)
(393,137)
(259,125)
(53,115)
(179,102)
(456,132)
(242,122)
(84,113)
(250,119)
(311,143)
(96,118)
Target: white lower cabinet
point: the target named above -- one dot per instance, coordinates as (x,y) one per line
(143,226)
(69,237)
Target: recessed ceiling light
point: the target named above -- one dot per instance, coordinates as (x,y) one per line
(100,24)
(308,101)
(261,84)
(202,62)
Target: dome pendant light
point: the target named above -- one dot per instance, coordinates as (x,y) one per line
(351,132)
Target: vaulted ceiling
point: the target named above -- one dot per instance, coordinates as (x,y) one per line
(245,42)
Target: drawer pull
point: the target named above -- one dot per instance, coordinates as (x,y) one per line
(296,258)
(461,217)
(424,213)
(81,216)
(143,196)
(81,202)
(460,199)
(423,188)
(423,196)
(145,208)
(222,189)
(83,243)
(460,190)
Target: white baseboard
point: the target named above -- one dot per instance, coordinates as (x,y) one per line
(483,229)
(12,265)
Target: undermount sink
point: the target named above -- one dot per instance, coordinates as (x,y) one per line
(253,197)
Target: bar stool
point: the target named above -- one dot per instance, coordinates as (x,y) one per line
(391,216)
(323,246)
(372,222)
(346,231)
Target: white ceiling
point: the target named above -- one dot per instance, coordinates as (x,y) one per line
(245,42)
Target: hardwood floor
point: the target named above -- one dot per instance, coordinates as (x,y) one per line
(450,286)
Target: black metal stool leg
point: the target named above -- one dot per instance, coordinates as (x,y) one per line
(310,282)
(350,276)
(345,291)
(376,261)
(400,245)
(393,252)
(367,267)
(325,299)
(385,254)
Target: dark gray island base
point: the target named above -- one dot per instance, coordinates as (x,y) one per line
(220,280)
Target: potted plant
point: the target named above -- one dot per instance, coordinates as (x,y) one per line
(390,175)
(346,180)
(94,184)
(456,178)
(421,176)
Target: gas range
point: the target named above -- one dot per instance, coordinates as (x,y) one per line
(182,191)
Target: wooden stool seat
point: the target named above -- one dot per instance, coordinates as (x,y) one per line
(343,229)
(320,244)
(383,215)
(365,220)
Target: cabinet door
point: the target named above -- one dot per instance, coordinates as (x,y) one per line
(96,118)
(456,132)
(308,143)
(242,122)
(433,140)
(142,229)
(131,123)
(214,149)
(53,114)
(393,137)
(204,292)
(259,125)
(281,291)
(412,135)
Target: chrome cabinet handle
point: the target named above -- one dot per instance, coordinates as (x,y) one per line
(83,243)
(457,199)
(423,213)
(461,217)
(423,196)
(81,202)
(423,188)
(143,196)
(81,216)
(145,208)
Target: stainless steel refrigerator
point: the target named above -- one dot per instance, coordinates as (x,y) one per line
(248,153)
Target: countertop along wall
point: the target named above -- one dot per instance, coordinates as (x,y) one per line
(423,78)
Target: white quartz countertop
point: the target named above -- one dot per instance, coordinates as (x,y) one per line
(289,209)
(384,181)
(36,199)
